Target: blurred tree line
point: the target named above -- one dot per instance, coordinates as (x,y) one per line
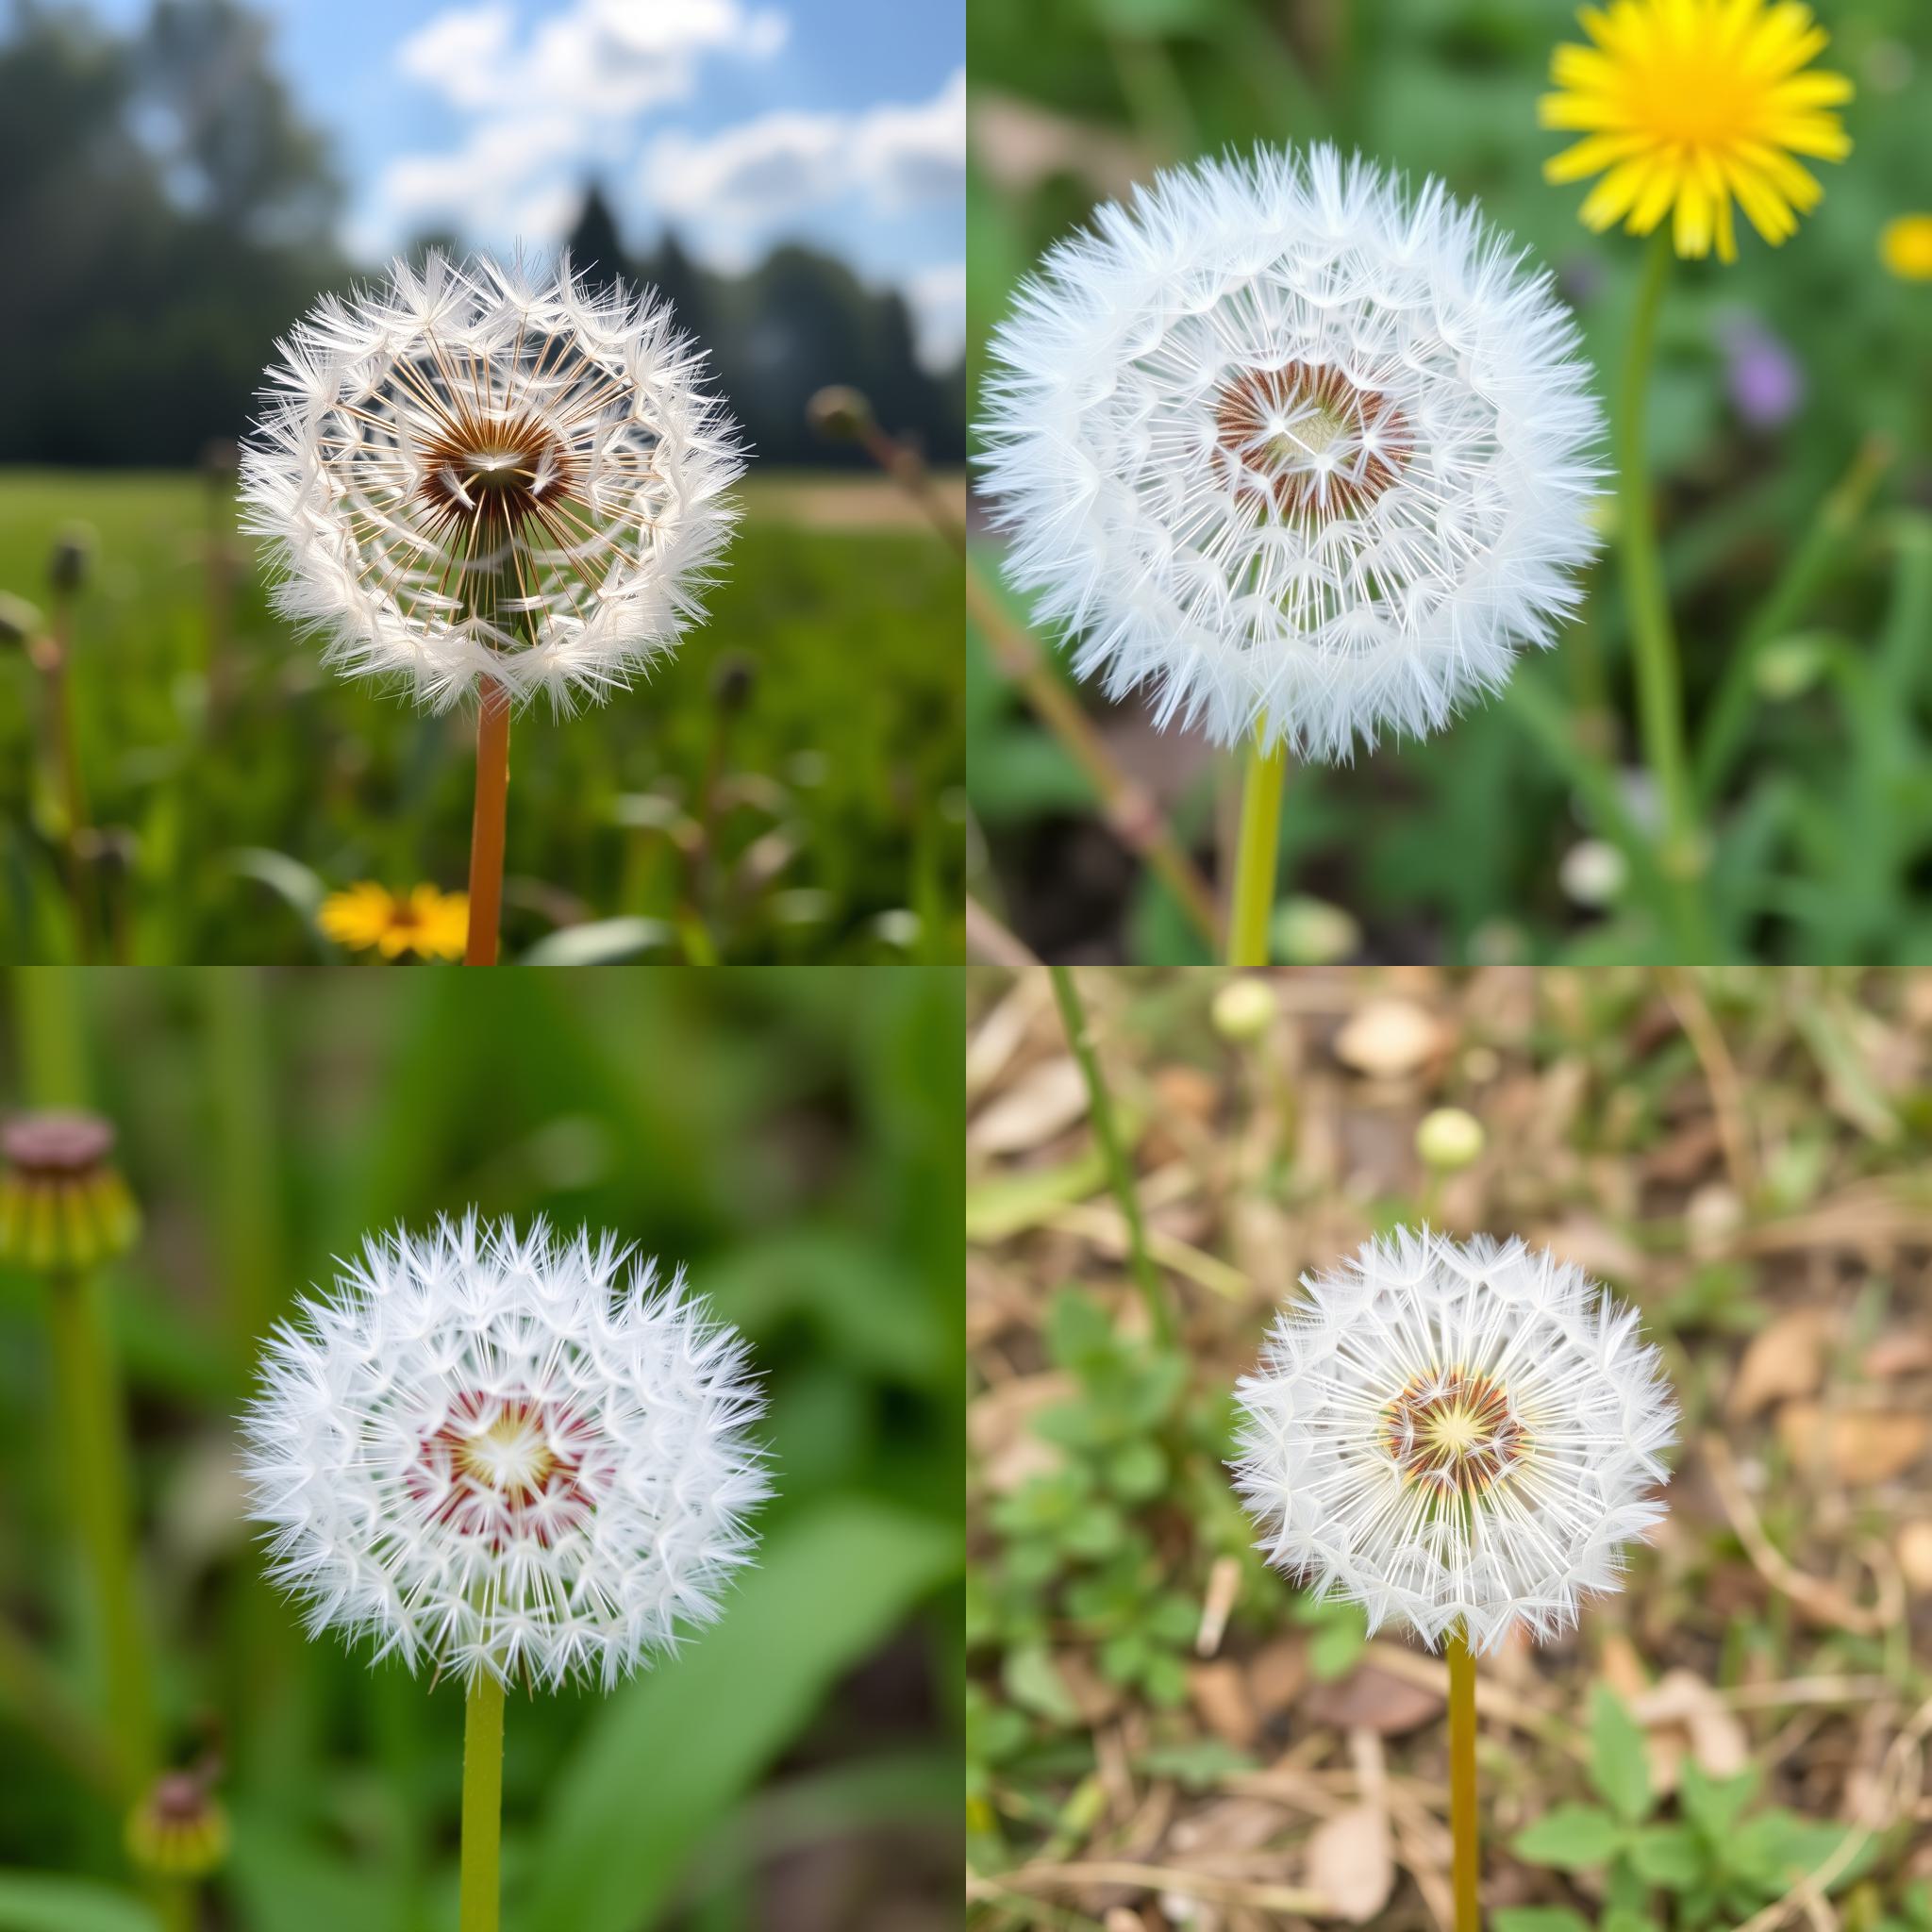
(168,214)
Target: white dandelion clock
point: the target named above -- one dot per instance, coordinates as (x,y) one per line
(1460,1438)
(473,478)
(506,1457)
(1306,456)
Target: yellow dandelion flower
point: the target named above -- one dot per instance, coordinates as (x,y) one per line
(369,917)
(1906,247)
(1687,105)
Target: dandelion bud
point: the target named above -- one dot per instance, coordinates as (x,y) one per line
(1454,1435)
(178,1830)
(1245,1010)
(67,562)
(1449,1138)
(513,1456)
(733,681)
(1310,932)
(18,620)
(63,1204)
(839,414)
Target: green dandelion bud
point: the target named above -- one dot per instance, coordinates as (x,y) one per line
(1245,1010)
(68,561)
(63,1204)
(839,414)
(178,1830)
(1449,1138)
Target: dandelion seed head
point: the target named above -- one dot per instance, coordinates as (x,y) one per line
(1300,452)
(517,1455)
(469,474)
(1455,1433)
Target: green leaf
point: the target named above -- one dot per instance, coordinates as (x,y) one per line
(1617,1764)
(1137,1471)
(1033,1681)
(38,1902)
(1714,1803)
(1537,1919)
(1671,1855)
(672,1753)
(1571,1836)
(1337,1643)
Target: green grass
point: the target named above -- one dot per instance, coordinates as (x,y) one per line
(845,764)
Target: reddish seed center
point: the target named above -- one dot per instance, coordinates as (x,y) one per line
(1308,441)
(509,1469)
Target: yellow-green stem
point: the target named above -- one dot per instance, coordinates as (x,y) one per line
(1467,1857)
(1654,644)
(1114,1152)
(1255,855)
(96,1467)
(482,1805)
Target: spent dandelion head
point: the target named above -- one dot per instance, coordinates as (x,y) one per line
(1454,1436)
(505,1455)
(473,475)
(64,1207)
(1687,106)
(1304,454)
(368,917)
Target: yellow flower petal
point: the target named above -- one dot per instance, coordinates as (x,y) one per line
(1689,108)
(1906,247)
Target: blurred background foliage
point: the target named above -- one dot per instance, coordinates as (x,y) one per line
(1161,1732)
(178,215)
(1792,426)
(796,1139)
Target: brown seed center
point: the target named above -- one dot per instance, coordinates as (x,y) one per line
(493,472)
(1308,441)
(1455,1431)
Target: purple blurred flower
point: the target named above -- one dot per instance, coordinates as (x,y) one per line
(1765,382)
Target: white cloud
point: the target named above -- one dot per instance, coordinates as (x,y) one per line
(547,102)
(937,297)
(891,156)
(597,58)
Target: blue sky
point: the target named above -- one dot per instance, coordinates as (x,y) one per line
(740,122)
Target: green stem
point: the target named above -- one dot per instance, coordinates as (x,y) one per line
(1467,1859)
(97,1471)
(1660,674)
(50,1037)
(1107,1132)
(1256,857)
(482,1804)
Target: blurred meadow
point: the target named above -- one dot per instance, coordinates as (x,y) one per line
(181,180)
(1791,430)
(1163,1733)
(793,1138)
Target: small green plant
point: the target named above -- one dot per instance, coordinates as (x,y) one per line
(1717,1861)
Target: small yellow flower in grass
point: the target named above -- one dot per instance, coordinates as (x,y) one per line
(1904,246)
(1685,106)
(369,917)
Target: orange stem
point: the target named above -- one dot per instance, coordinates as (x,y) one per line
(486,827)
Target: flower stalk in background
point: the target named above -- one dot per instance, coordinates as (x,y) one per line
(1686,107)
(484,486)
(1460,1438)
(514,1458)
(367,917)
(64,1212)
(1307,454)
